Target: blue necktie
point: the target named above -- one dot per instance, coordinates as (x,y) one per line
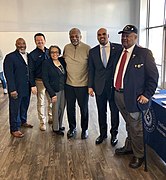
(104,56)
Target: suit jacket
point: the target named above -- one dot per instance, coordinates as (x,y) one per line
(98,74)
(51,76)
(17,74)
(141,78)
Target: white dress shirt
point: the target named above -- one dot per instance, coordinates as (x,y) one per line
(129,52)
(25,57)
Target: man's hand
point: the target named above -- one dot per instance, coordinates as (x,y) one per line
(91,92)
(142,99)
(34,90)
(14,94)
(54,99)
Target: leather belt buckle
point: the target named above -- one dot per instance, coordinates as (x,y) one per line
(119,90)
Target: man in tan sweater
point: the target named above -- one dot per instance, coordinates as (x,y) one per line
(76,58)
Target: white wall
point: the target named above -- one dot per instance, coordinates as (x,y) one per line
(8,39)
(61,16)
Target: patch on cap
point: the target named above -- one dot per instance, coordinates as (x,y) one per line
(129,29)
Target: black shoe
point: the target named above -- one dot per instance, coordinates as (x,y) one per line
(84,134)
(100,139)
(136,162)
(62,128)
(59,132)
(71,133)
(123,151)
(114,140)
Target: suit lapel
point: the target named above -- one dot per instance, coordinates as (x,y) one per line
(20,57)
(53,66)
(132,58)
(112,55)
(98,54)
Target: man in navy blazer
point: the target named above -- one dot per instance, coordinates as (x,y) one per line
(17,76)
(101,82)
(138,82)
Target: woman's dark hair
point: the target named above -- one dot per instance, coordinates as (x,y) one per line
(54,46)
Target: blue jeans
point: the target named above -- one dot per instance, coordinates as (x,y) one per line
(3,80)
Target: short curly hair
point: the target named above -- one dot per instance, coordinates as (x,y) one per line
(54,46)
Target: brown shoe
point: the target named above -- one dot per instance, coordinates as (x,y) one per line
(17,134)
(26,125)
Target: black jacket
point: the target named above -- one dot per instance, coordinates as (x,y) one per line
(35,60)
(51,76)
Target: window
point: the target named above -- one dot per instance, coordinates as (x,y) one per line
(155,28)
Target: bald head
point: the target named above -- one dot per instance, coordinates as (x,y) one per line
(102,36)
(21,45)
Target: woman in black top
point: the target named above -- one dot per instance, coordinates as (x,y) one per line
(54,77)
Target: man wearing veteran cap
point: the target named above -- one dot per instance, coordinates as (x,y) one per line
(135,82)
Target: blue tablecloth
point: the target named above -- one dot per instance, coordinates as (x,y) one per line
(155,126)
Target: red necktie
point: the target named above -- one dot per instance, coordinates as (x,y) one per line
(118,82)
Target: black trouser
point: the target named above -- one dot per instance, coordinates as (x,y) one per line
(101,101)
(81,95)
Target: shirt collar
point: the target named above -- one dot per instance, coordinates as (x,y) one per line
(130,50)
(107,45)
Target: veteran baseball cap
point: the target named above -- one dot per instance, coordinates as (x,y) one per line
(129,29)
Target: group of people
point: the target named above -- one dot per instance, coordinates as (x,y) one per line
(124,75)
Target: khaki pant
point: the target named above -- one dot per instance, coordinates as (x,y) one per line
(42,96)
(134,140)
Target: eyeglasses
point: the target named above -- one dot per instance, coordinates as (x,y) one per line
(54,52)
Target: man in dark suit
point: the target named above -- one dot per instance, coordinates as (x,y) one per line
(101,81)
(135,81)
(17,76)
